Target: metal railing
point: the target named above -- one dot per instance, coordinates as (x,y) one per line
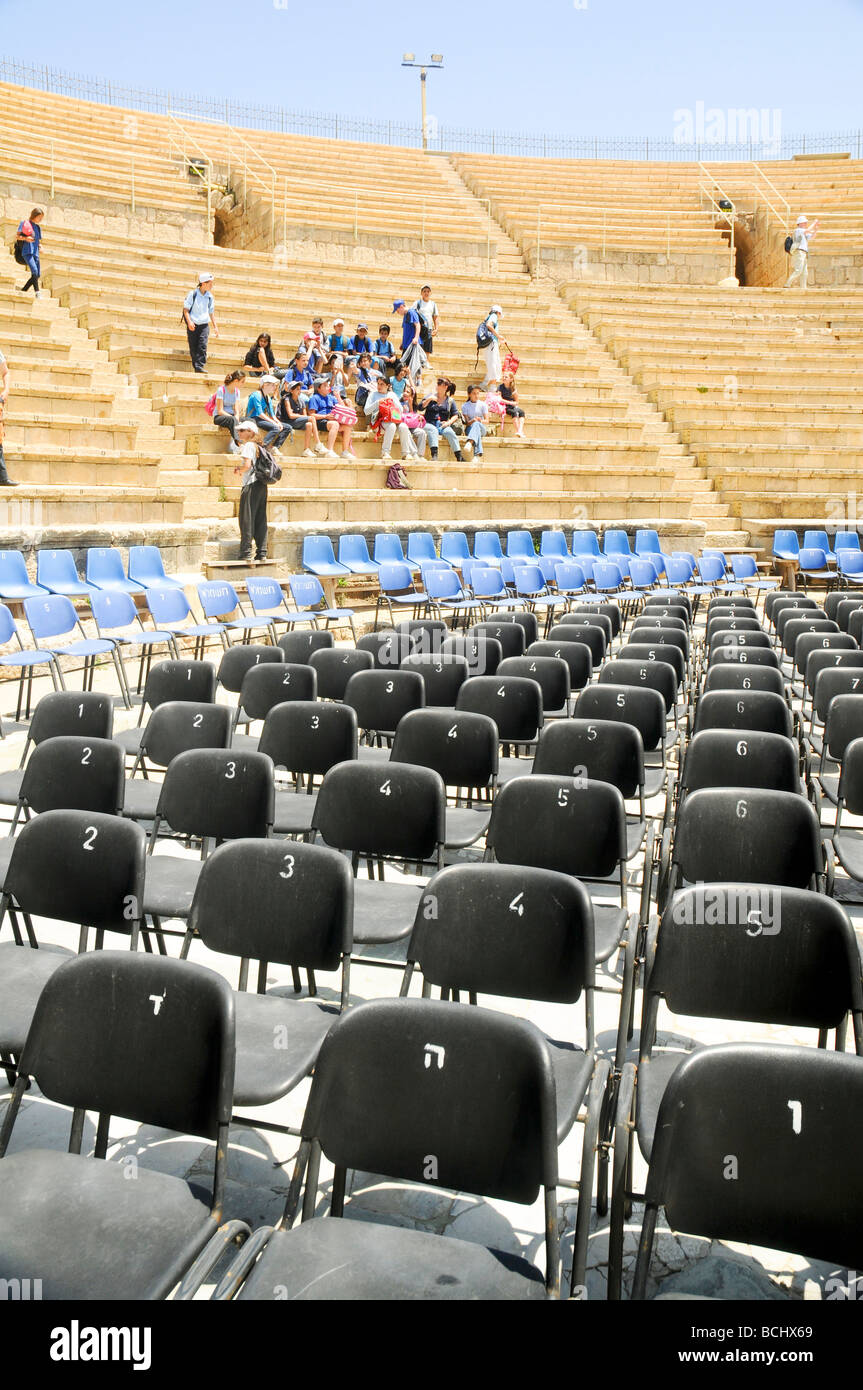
(406,134)
(42,158)
(723,209)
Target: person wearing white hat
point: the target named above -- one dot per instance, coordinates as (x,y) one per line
(801,237)
(253,495)
(198,316)
(491,352)
(262,407)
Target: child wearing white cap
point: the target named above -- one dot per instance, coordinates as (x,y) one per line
(802,235)
(491,354)
(198,316)
(253,495)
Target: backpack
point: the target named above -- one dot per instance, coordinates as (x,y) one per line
(210,405)
(265,467)
(18,250)
(484,336)
(789,245)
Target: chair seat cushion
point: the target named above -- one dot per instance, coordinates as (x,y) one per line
(169,885)
(265,1071)
(464,826)
(140,798)
(573,1068)
(340,1258)
(6,845)
(23,974)
(385,911)
(10,786)
(130,739)
(294,812)
(848,845)
(88,1233)
(653,1077)
(609,926)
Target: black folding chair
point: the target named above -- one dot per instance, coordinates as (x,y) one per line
(334,667)
(422,1092)
(169,680)
(482,653)
(240,658)
(69,773)
(603,751)
(522,933)
(731,758)
(380,699)
(152,1041)
(515,705)
(591,631)
(304,739)
(387,646)
(510,635)
(442,676)
(796,1162)
(173,728)
(463,749)
(301,646)
(85,712)
(263,688)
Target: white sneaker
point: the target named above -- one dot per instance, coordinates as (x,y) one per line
(386,458)
(320,448)
(330,454)
(348,454)
(467,449)
(309,453)
(39,294)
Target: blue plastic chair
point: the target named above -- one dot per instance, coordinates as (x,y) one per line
(397,588)
(220,600)
(15,583)
(319,558)
(487,547)
(585,543)
(520,546)
(678,571)
(553,543)
(813,565)
(744,568)
(105,571)
(118,619)
(711,576)
(507,569)
(642,572)
(147,567)
(454,548)
(569,578)
(548,564)
(53,616)
(846,540)
(530,585)
(615,542)
(308,595)
(56,571)
(647,542)
(445,592)
(171,610)
(421,548)
(354,555)
(267,600)
(487,584)
(388,551)
(607,577)
(786,545)
(689,559)
(26,659)
(818,540)
(849,562)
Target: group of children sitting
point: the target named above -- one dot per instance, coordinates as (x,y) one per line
(310,397)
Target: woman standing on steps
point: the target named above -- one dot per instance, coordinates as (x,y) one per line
(29,237)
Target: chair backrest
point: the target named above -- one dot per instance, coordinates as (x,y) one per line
(598,749)
(240,659)
(56,569)
(569,575)
(606,612)
(786,543)
(844,722)
(732,653)
(454,547)
(442,676)
(576,655)
(388,647)
(79,866)
(840,605)
(168,605)
(811,558)
(138,1036)
(647,541)
(52,616)
(218,598)
(306,591)
(551,674)
(308,738)
(570,824)
(486,546)
(608,574)
(13,571)
(381,698)
(645,649)
(266,686)
(86,712)
(528,578)
(482,653)
(8,628)
(354,550)
(394,811)
(510,635)
(727,758)
(553,543)
(643,672)
(485,1108)
(845,678)
(75,773)
(645,708)
(585,543)
(486,581)
(113,609)
(789,1117)
(846,540)
(395,577)
(816,540)
(318,550)
(731,620)
(526,619)
(664,608)
(643,572)
(783,617)
(180,680)
(147,567)
(810,642)
(851,779)
(749,835)
(615,542)
(421,546)
(217,794)
(744,709)
(426,634)
(582,629)
(177,725)
(265,595)
(474,940)
(520,544)
(441,583)
(105,565)
(334,667)
(733,676)
(388,548)
(300,646)
(462,748)
(781,599)
(744,567)
(269,900)
(513,702)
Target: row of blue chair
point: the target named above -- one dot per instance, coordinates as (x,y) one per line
(57,573)
(846,546)
(319,556)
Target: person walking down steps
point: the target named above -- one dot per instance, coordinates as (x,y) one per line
(802,235)
(27,241)
(198,316)
(253,494)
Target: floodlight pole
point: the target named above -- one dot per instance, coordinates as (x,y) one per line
(423,67)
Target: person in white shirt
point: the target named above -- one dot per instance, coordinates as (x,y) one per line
(491,353)
(803,234)
(253,495)
(198,313)
(429,320)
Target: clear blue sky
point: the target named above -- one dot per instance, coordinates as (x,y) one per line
(613,67)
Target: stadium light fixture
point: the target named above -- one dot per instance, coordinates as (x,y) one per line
(436,61)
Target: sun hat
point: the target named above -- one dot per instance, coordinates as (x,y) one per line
(247,425)
(336,322)
(273,380)
(496,309)
(801,220)
(204,276)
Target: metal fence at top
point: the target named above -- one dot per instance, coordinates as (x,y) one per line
(324,125)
